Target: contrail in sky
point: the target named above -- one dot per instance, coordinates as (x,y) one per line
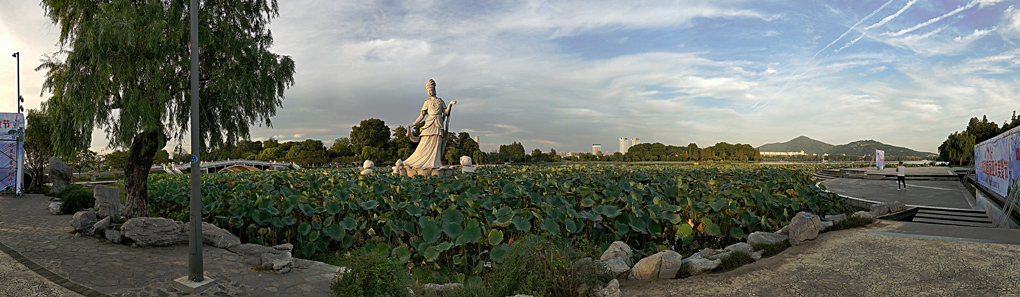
(936,19)
(893,16)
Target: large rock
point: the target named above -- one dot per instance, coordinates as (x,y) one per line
(619,249)
(147,232)
(804,227)
(759,237)
(864,214)
(60,174)
(740,247)
(696,265)
(54,208)
(835,219)
(616,266)
(825,225)
(114,236)
(280,263)
(214,236)
(251,249)
(108,202)
(612,289)
(896,206)
(661,265)
(84,221)
(784,231)
(879,209)
(99,229)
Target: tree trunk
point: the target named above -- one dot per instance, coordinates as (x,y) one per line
(136,173)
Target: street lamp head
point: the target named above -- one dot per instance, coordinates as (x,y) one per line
(15,55)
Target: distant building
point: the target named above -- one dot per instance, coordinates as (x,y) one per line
(624,145)
(635,141)
(596,149)
(476,140)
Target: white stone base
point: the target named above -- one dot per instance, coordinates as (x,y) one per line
(192,288)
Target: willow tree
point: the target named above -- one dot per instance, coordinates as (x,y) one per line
(125,69)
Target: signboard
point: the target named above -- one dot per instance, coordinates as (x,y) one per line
(997,162)
(880,159)
(12,152)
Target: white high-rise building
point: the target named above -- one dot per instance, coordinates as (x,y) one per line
(624,145)
(634,141)
(596,149)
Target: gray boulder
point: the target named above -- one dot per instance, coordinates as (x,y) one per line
(835,219)
(616,266)
(251,249)
(99,229)
(757,255)
(214,236)
(661,265)
(864,214)
(621,250)
(720,255)
(759,237)
(114,236)
(825,225)
(784,231)
(54,208)
(740,246)
(879,209)
(60,174)
(612,289)
(108,202)
(84,221)
(146,232)
(896,206)
(696,265)
(281,263)
(804,227)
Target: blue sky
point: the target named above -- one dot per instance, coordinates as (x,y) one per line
(566,74)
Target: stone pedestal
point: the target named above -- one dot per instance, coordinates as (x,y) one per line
(193,288)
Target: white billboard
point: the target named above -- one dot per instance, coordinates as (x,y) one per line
(997,162)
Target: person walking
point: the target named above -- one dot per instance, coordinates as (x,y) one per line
(901,176)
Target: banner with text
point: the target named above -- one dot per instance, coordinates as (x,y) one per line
(997,162)
(880,159)
(12,151)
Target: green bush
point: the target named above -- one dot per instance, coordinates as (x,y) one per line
(536,266)
(734,260)
(372,273)
(851,221)
(67,190)
(771,249)
(76,200)
(469,290)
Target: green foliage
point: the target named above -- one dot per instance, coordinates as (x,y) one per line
(75,200)
(734,260)
(371,133)
(450,220)
(537,266)
(38,146)
(851,222)
(116,160)
(801,143)
(68,189)
(771,249)
(372,273)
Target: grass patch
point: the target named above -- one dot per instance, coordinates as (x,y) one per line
(771,249)
(734,260)
(372,273)
(469,290)
(851,222)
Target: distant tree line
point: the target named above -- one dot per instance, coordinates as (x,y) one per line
(958,148)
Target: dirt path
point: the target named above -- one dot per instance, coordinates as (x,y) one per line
(857,262)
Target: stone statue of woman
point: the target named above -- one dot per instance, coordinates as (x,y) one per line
(429,153)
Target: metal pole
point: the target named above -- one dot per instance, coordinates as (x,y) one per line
(195,244)
(18,56)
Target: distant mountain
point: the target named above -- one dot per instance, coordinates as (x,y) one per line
(868,147)
(808,145)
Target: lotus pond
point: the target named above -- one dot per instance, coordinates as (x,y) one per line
(468,219)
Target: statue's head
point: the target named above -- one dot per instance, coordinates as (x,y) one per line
(430,88)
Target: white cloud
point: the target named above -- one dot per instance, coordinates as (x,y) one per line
(1010,24)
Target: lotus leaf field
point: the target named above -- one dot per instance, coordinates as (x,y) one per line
(455,219)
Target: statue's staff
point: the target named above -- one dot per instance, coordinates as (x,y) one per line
(446,130)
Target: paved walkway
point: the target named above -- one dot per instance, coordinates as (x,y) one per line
(950,194)
(861,262)
(119,270)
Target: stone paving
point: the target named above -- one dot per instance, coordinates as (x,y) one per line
(119,270)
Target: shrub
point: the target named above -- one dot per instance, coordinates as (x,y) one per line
(67,190)
(851,222)
(536,266)
(372,273)
(734,260)
(76,200)
(771,249)
(469,290)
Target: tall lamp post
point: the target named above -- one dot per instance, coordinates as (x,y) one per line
(195,282)
(17,55)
